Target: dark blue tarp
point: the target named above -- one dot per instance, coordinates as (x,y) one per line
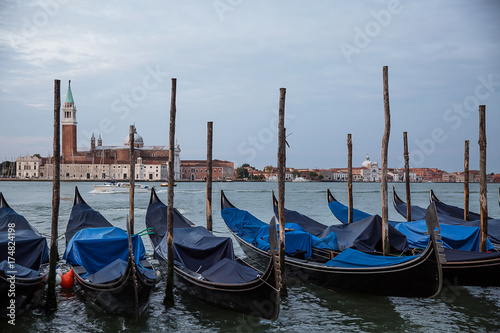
(365,235)
(83,217)
(418,213)
(460,255)
(96,248)
(30,247)
(242,223)
(18,270)
(453,236)
(456,212)
(198,250)
(356,259)
(297,240)
(341,212)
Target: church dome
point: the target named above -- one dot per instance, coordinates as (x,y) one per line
(367,163)
(137,140)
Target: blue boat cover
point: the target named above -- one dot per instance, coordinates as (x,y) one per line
(341,212)
(18,270)
(453,236)
(198,250)
(418,213)
(83,217)
(297,240)
(351,258)
(460,255)
(31,248)
(461,234)
(96,248)
(365,235)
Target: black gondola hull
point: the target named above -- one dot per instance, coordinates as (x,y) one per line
(24,290)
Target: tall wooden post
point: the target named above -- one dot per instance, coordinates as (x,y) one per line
(407,177)
(169,290)
(281,186)
(51,302)
(483,191)
(131,141)
(349,179)
(385,147)
(466,181)
(209,174)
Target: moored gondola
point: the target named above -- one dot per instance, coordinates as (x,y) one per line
(24,258)
(452,211)
(206,267)
(115,275)
(351,270)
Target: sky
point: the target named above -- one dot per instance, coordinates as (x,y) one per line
(230,59)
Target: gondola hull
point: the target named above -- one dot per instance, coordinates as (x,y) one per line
(24,290)
(116,297)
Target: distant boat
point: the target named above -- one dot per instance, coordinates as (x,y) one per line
(166,184)
(121,187)
(272,179)
(301,179)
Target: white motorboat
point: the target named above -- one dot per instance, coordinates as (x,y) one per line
(117,187)
(301,179)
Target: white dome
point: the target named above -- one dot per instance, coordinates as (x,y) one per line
(137,139)
(367,163)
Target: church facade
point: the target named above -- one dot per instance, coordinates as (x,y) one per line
(100,162)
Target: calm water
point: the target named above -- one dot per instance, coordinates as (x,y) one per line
(307,308)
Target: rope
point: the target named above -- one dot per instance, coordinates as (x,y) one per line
(147,231)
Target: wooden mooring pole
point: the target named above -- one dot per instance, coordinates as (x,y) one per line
(281,186)
(209,174)
(385,147)
(407,177)
(131,141)
(466,181)
(483,191)
(169,289)
(349,179)
(51,302)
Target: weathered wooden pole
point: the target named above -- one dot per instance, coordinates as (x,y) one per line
(483,191)
(385,147)
(169,290)
(407,177)
(131,141)
(466,181)
(51,302)
(349,179)
(209,174)
(281,186)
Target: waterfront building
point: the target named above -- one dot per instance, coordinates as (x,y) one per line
(197,170)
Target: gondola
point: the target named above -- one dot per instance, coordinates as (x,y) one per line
(206,267)
(417,212)
(24,258)
(110,266)
(452,211)
(351,270)
(467,268)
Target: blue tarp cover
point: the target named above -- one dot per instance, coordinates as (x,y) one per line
(18,270)
(198,250)
(96,248)
(84,217)
(31,248)
(341,212)
(453,236)
(356,259)
(297,240)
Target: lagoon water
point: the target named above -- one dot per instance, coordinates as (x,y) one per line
(307,308)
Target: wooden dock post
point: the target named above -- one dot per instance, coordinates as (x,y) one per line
(281,186)
(407,177)
(349,179)
(209,174)
(466,181)
(131,141)
(51,302)
(385,147)
(483,191)
(169,290)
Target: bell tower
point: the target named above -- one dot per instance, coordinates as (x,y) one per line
(69,126)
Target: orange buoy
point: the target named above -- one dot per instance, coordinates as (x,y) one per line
(67,280)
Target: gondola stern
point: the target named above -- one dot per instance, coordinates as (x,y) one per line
(275,201)
(78,198)
(432,197)
(154,197)
(329,196)
(434,231)
(273,245)
(224,203)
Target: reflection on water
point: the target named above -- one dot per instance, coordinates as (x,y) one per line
(307,308)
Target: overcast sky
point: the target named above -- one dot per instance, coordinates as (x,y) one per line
(230,58)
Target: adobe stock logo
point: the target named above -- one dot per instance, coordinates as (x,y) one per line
(373,28)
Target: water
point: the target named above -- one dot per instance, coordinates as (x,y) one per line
(307,308)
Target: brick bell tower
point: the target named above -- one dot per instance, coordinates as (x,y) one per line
(69,126)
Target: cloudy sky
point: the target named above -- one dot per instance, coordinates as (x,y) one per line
(230,58)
